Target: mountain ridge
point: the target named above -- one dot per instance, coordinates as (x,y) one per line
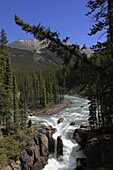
(31,53)
(35,44)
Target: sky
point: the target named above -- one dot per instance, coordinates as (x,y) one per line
(64,16)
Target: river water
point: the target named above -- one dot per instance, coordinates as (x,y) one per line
(77,112)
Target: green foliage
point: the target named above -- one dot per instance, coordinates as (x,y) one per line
(16,116)
(100,85)
(9,111)
(22,134)
(25,61)
(3,41)
(38,89)
(100,10)
(96,75)
(97,83)
(102,13)
(10,146)
(9,149)
(6,83)
(3,157)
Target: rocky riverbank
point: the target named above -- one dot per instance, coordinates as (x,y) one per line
(98,148)
(34,151)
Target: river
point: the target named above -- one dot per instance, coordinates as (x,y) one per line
(77,112)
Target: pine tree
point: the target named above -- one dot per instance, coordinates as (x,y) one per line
(6,82)
(3,41)
(2,89)
(102,12)
(22,109)
(15,97)
(44,95)
(56,96)
(8,94)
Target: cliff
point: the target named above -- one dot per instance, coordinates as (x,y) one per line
(34,151)
(98,148)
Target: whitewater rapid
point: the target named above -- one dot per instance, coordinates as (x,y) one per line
(77,112)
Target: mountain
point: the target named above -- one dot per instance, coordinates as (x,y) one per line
(31,53)
(27,44)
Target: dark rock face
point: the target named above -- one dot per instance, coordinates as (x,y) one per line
(93,153)
(98,146)
(80,136)
(81,163)
(34,151)
(59,146)
(51,143)
(99,152)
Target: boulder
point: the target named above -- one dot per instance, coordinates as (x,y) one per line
(84,127)
(72,123)
(51,144)
(80,136)
(49,131)
(80,163)
(44,146)
(29,123)
(59,146)
(60,120)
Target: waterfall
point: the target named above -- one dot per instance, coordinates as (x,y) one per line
(75,114)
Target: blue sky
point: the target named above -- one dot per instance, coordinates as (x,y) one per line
(65,16)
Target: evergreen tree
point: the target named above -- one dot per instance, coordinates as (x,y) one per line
(102,12)
(2,89)
(22,109)
(44,95)
(8,92)
(3,41)
(6,82)
(15,98)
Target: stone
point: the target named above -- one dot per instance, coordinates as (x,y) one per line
(80,163)
(34,152)
(60,120)
(72,123)
(44,145)
(80,136)
(59,146)
(29,123)
(51,145)
(97,145)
